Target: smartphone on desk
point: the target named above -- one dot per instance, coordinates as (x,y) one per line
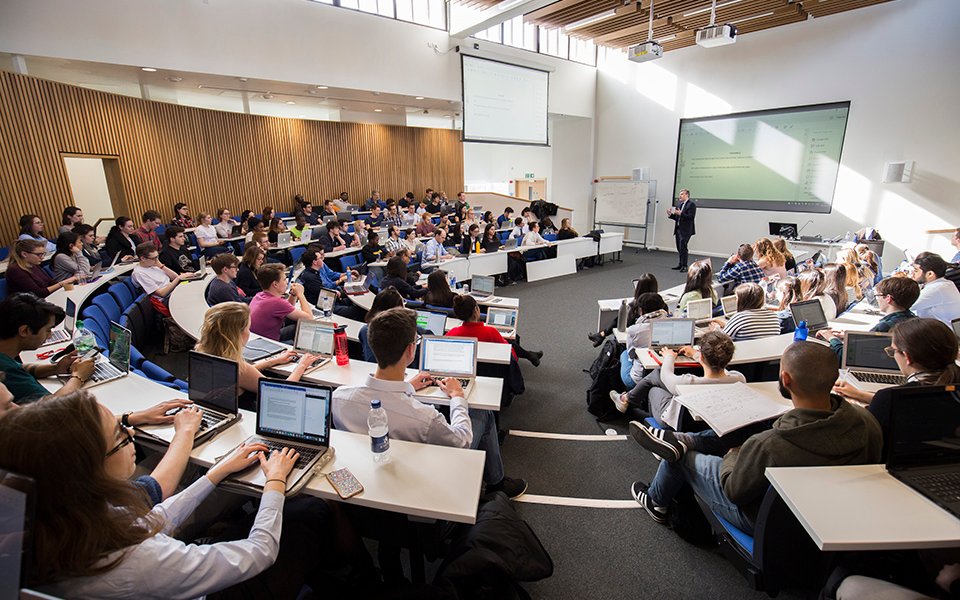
(345,483)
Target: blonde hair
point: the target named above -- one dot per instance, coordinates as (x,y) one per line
(765,250)
(781,245)
(222,326)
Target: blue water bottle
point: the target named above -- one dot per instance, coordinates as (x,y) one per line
(800,333)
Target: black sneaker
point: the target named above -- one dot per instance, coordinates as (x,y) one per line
(661,442)
(509,486)
(639,492)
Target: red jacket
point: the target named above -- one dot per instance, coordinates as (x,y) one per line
(480,331)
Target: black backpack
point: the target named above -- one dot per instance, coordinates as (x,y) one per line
(605,376)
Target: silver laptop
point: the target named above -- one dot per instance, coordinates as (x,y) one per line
(431,322)
(69,321)
(360,286)
(671,333)
(810,311)
(108,270)
(448,357)
(117,365)
(503,320)
(318,309)
(314,338)
(865,360)
(729,304)
(200,272)
(511,243)
(700,310)
(284,239)
(290,415)
(482,287)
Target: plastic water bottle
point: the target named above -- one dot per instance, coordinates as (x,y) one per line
(326,305)
(84,340)
(800,333)
(379,433)
(341,346)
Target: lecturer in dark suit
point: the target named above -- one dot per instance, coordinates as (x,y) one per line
(684,226)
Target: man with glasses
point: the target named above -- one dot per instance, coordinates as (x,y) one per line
(155,279)
(224,288)
(939,298)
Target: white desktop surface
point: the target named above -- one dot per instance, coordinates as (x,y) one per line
(862,508)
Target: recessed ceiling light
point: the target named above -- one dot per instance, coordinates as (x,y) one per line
(419,97)
(175,79)
(199,87)
(376,93)
(243,79)
(148,69)
(267,96)
(322,87)
(290,102)
(378,110)
(313,92)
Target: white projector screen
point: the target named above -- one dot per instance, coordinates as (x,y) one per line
(784,159)
(504,103)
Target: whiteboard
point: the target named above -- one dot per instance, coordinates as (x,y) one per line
(622,202)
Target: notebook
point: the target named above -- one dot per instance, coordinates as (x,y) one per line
(448,357)
(864,358)
(290,415)
(810,311)
(314,338)
(482,287)
(431,322)
(503,320)
(671,333)
(700,310)
(924,442)
(69,322)
(729,304)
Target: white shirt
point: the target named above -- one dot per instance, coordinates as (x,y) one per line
(207,233)
(164,567)
(519,231)
(408,418)
(939,299)
(533,238)
(671,412)
(225,228)
(150,278)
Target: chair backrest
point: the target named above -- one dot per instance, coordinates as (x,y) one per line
(3,288)
(135,323)
(4,252)
(550,237)
(156,372)
(108,304)
(296,252)
(349,261)
(94,313)
(122,294)
(132,286)
(440,309)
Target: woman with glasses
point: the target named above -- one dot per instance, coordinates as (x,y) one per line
(107,541)
(925,351)
(25,273)
(181,216)
(31,228)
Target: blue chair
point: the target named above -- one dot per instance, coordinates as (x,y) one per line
(282,215)
(109,306)
(3,288)
(626,364)
(95,313)
(168,384)
(296,253)
(183,385)
(132,286)
(155,372)
(101,334)
(349,261)
(414,304)
(161,229)
(122,294)
(550,237)
(4,252)
(47,269)
(440,309)
(136,357)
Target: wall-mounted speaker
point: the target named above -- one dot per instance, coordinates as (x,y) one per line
(897,172)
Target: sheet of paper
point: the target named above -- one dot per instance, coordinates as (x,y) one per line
(729,407)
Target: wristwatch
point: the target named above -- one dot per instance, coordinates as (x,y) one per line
(125,419)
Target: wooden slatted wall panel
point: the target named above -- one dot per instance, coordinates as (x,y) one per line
(170,153)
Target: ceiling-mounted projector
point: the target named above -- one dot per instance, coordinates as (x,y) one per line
(716,35)
(645,51)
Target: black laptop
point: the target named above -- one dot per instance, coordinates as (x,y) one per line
(923,448)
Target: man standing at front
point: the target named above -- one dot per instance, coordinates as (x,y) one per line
(684,227)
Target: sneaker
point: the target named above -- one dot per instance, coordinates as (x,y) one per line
(639,492)
(619,401)
(509,486)
(661,442)
(596,338)
(534,357)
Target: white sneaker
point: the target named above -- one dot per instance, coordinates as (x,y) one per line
(619,401)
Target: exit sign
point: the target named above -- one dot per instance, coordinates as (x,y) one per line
(529,176)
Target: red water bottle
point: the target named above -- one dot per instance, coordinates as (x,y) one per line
(341,346)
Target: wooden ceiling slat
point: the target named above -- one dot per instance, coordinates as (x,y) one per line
(823,8)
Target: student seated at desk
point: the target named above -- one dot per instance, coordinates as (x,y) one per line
(770,260)
(925,351)
(396,276)
(31,228)
(790,262)
(69,261)
(310,217)
(26,324)
(223,287)
(122,239)
(25,273)
(118,547)
(835,286)
(70,218)
(226,330)
(467,310)
(208,239)
(392,216)
(812,285)
(645,284)
(394,243)
(425,227)
(566,232)
(939,297)
(533,238)
(699,284)
(520,229)
(225,223)
(438,290)
(434,251)
(787,291)
(471,241)
(740,268)
(88,238)
(301,229)
(147,232)
(253,258)
(506,217)
(155,278)
(753,320)
(375,219)
(895,296)
(330,237)
(856,278)
(820,430)
(387,298)
(275,228)
(870,260)
(181,216)
(656,393)
(372,251)
(269,310)
(175,255)
(393,336)
(254,225)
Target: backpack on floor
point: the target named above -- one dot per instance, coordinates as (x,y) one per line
(604,377)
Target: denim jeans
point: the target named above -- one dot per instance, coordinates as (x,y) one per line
(485,438)
(702,472)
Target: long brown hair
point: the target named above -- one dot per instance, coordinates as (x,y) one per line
(83,513)
(700,278)
(766,250)
(811,283)
(835,276)
(221,329)
(931,346)
(438,290)
(789,287)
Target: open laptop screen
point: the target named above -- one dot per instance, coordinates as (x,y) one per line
(672,332)
(729,304)
(451,356)
(434,323)
(298,412)
(119,347)
(17,504)
(214,381)
(482,284)
(925,426)
(314,337)
(502,317)
(810,311)
(70,321)
(865,351)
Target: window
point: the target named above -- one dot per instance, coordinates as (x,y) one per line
(554,43)
(432,13)
(494,34)
(518,34)
(583,51)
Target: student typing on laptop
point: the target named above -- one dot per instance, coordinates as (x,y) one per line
(467,310)
(925,350)
(392,335)
(895,296)
(269,310)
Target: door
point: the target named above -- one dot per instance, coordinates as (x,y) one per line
(96,188)
(530,189)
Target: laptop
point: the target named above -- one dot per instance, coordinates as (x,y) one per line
(108,270)
(290,415)
(729,304)
(260,348)
(198,274)
(115,366)
(236,231)
(810,311)
(923,447)
(700,310)
(503,320)
(69,321)
(865,360)
(482,287)
(18,496)
(318,309)
(360,286)
(284,239)
(214,386)
(671,333)
(314,337)
(448,357)
(431,322)
(511,243)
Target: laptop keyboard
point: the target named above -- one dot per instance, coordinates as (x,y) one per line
(60,335)
(307,453)
(103,371)
(890,378)
(946,486)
